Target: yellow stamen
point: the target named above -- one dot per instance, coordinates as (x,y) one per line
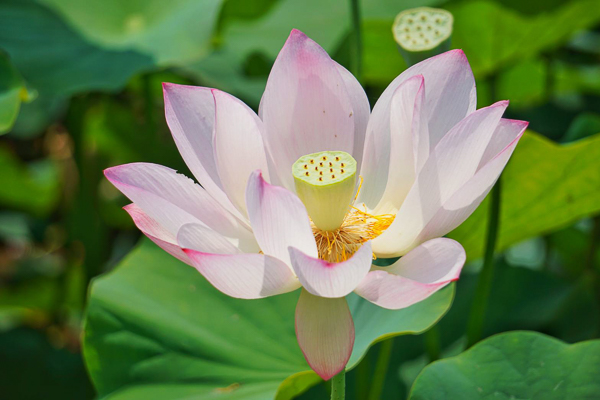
(357,228)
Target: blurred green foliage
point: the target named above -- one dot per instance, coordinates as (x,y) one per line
(89,72)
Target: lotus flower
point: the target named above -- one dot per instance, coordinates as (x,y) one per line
(310,190)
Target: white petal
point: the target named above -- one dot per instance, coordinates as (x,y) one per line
(203,239)
(244,276)
(158,190)
(190,114)
(453,162)
(306,107)
(406,124)
(155,232)
(416,276)
(238,146)
(462,204)
(325,333)
(450,96)
(326,279)
(361,111)
(279,219)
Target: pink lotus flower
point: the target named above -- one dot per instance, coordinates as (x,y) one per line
(387,183)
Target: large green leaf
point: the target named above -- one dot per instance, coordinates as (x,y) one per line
(545,187)
(171,32)
(54,58)
(514,365)
(156,328)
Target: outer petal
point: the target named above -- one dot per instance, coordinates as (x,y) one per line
(190,114)
(450,96)
(406,123)
(416,276)
(278,219)
(306,107)
(244,276)
(142,182)
(155,232)
(325,333)
(453,162)
(325,279)
(238,146)
(200,238)
(361,110)
(462,204)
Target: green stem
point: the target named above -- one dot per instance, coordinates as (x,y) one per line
(484,285)
(356,52)
(432,343)
(338,386)
(383,362)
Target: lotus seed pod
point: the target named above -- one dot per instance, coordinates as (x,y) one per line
(326,184)
(422,33)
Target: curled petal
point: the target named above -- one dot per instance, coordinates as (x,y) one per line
(190,114)
(462,204)
(450,96)
(416,276)
(326,279)
(406,123)
(238,146)
(453,162)
(306,107)
(278,219)
(244,276)
(325,333)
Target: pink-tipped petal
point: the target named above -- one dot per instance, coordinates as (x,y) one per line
(416,276)
(408,131)
(190,114)
(238,146)
(325,333)
(452,163)
(155,232)
(278,219)
(306,107)
(331,280)
(361,112)
(462,204)
(244,276)
(142,183)
(450,96)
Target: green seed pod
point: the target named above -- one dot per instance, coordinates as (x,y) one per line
(326,184)
(422,33)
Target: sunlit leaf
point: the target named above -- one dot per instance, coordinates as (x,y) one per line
(545,187)
(514,365)
(155,325)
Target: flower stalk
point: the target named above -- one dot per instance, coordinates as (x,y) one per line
(338,386)
(484,285)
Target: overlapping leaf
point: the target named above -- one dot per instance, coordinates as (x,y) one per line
(155,326)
